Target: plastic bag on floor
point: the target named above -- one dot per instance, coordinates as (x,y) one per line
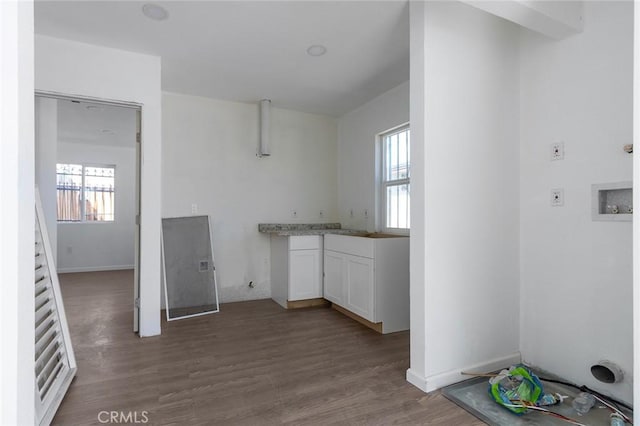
(516,387)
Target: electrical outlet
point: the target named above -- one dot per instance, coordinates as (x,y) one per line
(194,208)
(294,213)
(557,197)
(351,213)
(321,214)
(557,151)
(203,266)
(366,213)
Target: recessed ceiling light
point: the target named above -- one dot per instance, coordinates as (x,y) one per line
(155,12)
(316,50)
(107,131)
(94,107)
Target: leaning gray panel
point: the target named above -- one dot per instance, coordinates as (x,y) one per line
(189,272)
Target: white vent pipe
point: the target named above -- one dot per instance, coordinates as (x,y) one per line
(264,149)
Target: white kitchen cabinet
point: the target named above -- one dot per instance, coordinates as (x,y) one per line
(296,269)
(305,274)
(369,277)
(333,276)
(359,283)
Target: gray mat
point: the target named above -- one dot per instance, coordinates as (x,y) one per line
(473,396)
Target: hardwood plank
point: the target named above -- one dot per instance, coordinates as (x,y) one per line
(376,326)
(307,303)
(253,363)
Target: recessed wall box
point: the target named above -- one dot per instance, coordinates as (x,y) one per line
(612,201)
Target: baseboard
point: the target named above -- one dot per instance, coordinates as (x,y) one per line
(437,381)
(417,380)
(450,377)
(94,269)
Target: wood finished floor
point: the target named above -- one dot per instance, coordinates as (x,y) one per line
(253,363)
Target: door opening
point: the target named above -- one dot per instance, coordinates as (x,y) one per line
(88,165)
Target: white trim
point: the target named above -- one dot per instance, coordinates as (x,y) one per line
(416,380)
(83,98)
(441,380)
(192,315)
(94,269)
(378,200)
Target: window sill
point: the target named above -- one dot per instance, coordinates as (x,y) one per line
(97,222)
(396,231)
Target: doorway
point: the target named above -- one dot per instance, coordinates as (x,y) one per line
(88,164)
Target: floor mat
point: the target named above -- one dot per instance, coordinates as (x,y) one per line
(473,396)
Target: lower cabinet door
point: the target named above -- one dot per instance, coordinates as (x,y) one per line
(304,274)
(334,277)
(359,286)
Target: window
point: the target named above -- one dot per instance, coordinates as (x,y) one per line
(85,193)
(396,172)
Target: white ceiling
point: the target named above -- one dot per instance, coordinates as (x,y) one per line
(249,50)
(96,124)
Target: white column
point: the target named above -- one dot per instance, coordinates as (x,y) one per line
(17,213)
(417,371)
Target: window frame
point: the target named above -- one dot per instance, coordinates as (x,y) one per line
(383,184)
(83,206)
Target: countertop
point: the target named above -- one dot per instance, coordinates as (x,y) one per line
(297,229)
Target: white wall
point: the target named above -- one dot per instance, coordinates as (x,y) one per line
(469,193)
(557,19)
(636,207)
(17,215)
(86,70)
(108,245)
(46,116)
(209,159)
(576,273)
(357,131)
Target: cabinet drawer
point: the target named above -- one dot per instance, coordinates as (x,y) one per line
(304,242)
(357,246)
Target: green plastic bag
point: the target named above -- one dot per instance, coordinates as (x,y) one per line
(515,386)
